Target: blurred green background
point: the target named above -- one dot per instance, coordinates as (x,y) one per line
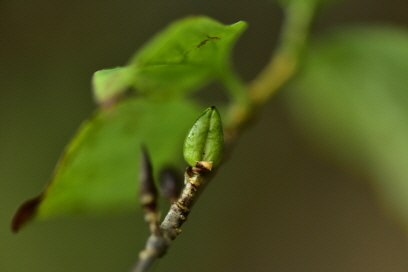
(276,205)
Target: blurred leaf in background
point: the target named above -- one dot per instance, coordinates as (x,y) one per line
(351,99)
(303,2)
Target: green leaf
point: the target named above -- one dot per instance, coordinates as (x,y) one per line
(99,170)
(352,98)
(98,173)
(188,54)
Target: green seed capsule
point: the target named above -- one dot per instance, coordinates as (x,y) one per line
(205,140)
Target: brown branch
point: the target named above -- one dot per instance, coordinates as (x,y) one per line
(159,241)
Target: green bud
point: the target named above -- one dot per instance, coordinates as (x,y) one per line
(205,140)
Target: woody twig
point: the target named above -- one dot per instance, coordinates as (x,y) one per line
(161,237)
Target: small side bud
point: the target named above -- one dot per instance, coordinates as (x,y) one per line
(205,140)
(148,191)
(170,185)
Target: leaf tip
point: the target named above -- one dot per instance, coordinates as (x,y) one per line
(240,26)
(110,85)
(25,213)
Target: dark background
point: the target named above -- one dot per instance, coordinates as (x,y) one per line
(276,205)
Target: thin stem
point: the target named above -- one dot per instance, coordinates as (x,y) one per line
(236,87)
(283,64)
(281,67)
(241,103)
(156,246)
